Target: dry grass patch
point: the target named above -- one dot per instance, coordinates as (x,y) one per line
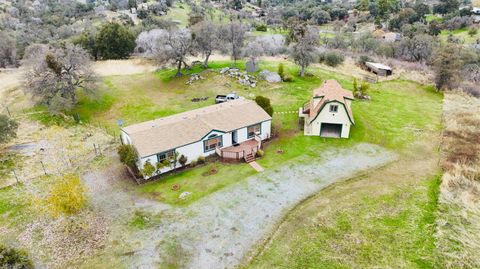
(458,231)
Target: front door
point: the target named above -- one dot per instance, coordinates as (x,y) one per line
(234,137)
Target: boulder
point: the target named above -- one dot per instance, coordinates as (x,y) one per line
(184,195)
(271,77)
(251,66)
(224,70)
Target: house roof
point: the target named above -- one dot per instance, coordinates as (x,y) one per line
(159,135)
(378,65)
(330,91)
(391,36)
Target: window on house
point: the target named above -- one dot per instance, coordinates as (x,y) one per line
(253,130)
(334,108)
(165,155)
(212,142)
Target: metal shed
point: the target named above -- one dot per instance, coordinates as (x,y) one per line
(379,69)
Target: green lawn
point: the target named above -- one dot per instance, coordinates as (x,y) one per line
(390,119)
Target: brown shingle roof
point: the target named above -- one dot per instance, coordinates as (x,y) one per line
(331,90)
(155,136)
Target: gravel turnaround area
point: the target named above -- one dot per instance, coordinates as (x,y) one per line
(218,230)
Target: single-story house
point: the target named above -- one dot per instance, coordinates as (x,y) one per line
(379,69)
(329,113)
(392,37)
(233,130)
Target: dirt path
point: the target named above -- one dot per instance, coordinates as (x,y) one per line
(123,67)
(217,231)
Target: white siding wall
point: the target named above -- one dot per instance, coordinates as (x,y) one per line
(325,116)
(125,138)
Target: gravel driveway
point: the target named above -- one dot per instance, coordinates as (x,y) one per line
(218,230)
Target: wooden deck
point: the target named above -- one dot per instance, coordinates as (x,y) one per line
(238,152)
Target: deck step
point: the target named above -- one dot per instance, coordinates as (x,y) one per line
(249,158)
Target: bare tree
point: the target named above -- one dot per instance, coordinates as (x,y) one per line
(147,42)
(206,39)
(175,47)
(304,51)
(270,45)
(254,49)
(233,34)
(55,73)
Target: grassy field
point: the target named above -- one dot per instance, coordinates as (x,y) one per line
(432,17)
(270,31)
(390,119)
(461,34)
(179,13)
(382,219)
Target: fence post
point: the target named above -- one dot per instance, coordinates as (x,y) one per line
(43,166)
(15,174)
(8,111)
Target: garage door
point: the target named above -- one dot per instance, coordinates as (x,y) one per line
(330,130)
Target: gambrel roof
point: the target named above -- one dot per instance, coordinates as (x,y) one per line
(331,91)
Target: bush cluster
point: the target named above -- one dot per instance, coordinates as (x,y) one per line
(331,58)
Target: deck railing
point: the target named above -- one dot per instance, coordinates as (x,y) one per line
(306,107)
(239,155)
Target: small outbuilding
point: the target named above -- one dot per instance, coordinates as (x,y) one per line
(379,69)
(329,113)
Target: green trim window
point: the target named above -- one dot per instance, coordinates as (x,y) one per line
(212,142)
(254,130)
(334,108)
(165,155)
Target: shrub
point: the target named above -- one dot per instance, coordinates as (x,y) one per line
(66,196)
(115,41)
(333,58)
(288,78)
(8,128)
(148,169)
(363,59)
(128,156)
(472,31)
(193,163)
(183,160)
(264,103)
(201,160)
(260,153)
(364,88)
(261,27)
(14,258)
(281,71)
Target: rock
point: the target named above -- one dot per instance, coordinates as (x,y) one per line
(184,195)
(224,70)
(271,77)
(251,66)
